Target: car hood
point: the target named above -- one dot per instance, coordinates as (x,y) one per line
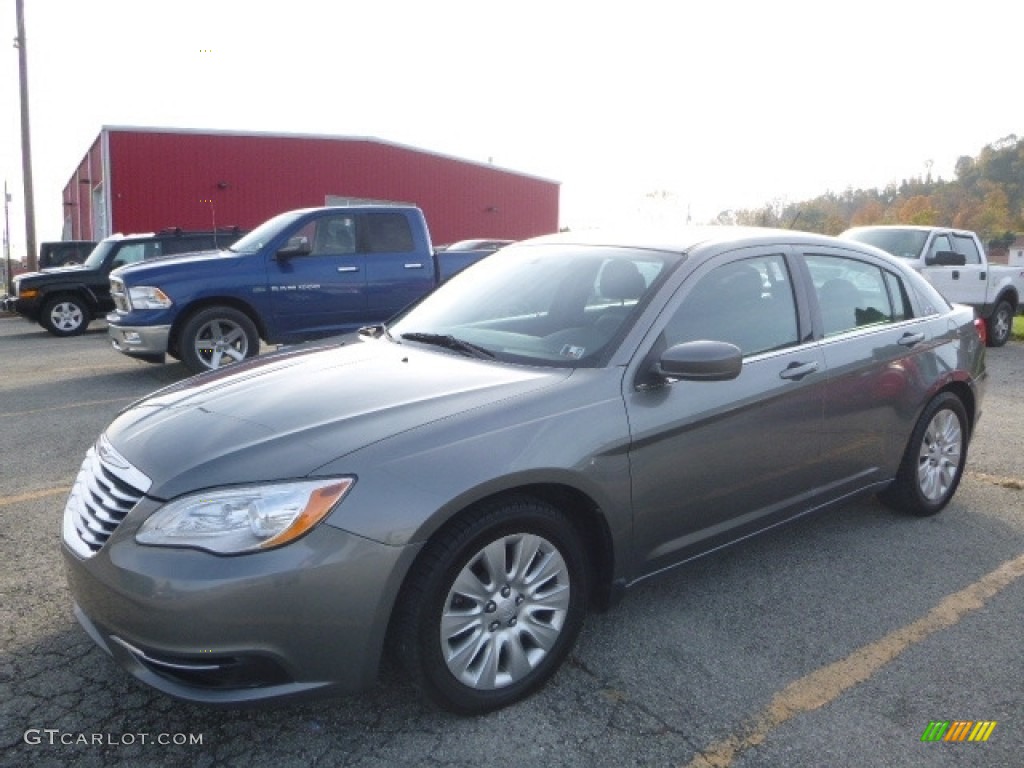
(48,271)
(286,415)
(172,260)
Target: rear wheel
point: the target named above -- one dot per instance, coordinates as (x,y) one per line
(1000,324)
(215,337)
(493,606)
(65,315)
(934,460)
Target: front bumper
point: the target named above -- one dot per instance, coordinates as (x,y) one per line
(305,619)
(148,341)
(27,308)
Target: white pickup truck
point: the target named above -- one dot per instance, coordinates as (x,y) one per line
(954,261)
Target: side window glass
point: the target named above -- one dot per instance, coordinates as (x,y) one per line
(968,247)
(129,254)
(334,235)
(940,243)
(852,294)
(898,298)
(387,233)
(748,303)
(180,245)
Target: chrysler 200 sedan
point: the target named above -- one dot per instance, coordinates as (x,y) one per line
(561,421)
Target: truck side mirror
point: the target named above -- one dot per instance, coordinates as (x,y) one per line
(945,259)
(296,246)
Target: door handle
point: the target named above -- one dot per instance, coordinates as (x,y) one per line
(910,339)
(956,274)
(414,265)
(348,269)
(797,370)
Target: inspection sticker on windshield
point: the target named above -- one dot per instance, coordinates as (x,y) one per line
(572,352)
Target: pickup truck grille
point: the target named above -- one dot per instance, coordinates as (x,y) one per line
(106,490)
(120,296)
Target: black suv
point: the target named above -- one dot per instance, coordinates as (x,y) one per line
(64,300)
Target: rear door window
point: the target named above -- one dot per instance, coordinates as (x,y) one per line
(854,294)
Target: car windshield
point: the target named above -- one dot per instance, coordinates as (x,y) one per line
(264,233)
(905,243)
(99,254)
(552,305)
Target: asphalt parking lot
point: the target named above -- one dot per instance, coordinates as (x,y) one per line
(834,641)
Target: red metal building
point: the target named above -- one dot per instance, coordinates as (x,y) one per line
(144,179)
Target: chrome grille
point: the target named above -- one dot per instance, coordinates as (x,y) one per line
(106,490)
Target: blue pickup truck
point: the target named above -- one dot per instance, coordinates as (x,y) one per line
(301,275)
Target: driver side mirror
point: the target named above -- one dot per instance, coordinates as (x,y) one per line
(945,259)
(296,246)
(701,361)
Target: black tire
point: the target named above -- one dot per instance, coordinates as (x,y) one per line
(934,459)
(215,337)
(507,633)
(65,315)
(1000,324)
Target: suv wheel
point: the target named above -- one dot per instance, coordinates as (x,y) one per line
(65,316)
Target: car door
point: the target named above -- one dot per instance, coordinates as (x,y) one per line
(966,283)
(712,461)
(320,289)
(875,353)
(397,272)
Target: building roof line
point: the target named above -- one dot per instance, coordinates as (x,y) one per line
(319,136)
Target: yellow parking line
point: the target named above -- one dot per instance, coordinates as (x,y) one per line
(32,495)
(825,685)
(1013,483)
(71,405)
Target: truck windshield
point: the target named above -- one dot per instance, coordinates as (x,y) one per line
(265,232)
(99,254)
(905,243)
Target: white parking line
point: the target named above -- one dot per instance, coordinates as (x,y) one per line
(826,684)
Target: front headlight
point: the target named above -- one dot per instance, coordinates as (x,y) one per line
(244,519)
(149,297)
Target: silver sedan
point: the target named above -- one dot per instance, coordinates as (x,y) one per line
(461,485)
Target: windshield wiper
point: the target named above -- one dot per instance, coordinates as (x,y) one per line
(450,342)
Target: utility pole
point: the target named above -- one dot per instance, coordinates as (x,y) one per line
(26,145)
(8,278)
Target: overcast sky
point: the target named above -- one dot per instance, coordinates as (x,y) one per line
(707,105)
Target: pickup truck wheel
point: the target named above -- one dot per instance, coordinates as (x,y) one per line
(65,316)
(493,606)
(934,460)
(215,337)
(999,324)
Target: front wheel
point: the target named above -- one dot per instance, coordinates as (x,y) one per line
(65,316)
(493,606)
(1000,324)
(215,337)
(934,460)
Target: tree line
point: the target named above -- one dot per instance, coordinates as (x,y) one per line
(987,196)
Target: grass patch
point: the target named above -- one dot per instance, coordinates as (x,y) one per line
(1017,331)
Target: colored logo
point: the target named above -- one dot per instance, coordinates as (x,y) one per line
(958,730)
